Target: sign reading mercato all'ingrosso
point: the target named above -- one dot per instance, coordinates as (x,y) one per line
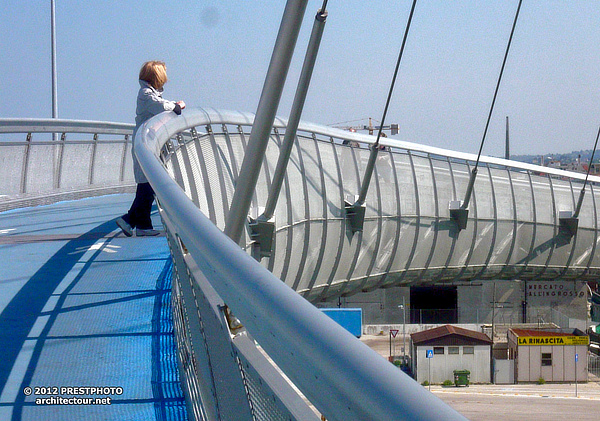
(554,340)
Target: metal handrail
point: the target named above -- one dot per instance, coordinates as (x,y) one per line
(32,186)
(204,116)
(50,125)
(340,375)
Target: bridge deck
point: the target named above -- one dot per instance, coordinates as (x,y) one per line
(81,305)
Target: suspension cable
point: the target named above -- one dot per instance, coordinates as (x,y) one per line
(592,158)
(498,84)
(387,103)
(582,193)
(375,147)
(471,184)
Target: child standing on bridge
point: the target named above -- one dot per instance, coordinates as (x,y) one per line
(153,76)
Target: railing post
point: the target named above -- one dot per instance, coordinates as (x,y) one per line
(25,164)
(263,227)
(61,152)
(123,159)
(93,159)
(265,115)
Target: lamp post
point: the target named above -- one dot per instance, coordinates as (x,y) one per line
(403,307)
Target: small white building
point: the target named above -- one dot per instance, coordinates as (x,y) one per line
(451,348)
(555,355)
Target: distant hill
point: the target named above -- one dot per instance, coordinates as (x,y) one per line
(562,157)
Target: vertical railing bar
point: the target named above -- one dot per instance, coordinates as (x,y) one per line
(123,159)
(319,261)
(495,233)
(379,230)
(555,224)
(187,163)
(574,240)
(394,251)
(514,234)
(210,200)
(216,149)
(271,265)
(93,159)
(230,150)
(533,236)
(473,239)
(265,163)
(290,228)
(61,151)
(454,237)
(437,218)
(25,164)
(176,165)
(352,266)
(417,219)
(306,216)
(594,242)
(342,220)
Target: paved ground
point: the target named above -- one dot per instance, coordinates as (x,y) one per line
(81,305)
(490,402)
(520,402)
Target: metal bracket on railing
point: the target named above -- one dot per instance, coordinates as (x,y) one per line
(459,214)
(355,214)
(459,211)
(568,223)
(262,232)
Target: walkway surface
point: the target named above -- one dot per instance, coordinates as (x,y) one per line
(83,306)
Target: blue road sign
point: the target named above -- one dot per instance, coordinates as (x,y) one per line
(429,353)
(576,357)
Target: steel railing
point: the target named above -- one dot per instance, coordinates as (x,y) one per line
(340,376)
(87,158)
(514,230)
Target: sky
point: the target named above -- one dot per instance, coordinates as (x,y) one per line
(218,52)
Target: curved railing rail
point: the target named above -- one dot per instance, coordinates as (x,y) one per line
(514,228)
(57,159)
(339,375)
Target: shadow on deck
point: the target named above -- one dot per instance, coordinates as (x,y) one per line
(83,306)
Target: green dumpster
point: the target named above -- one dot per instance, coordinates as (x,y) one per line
(461,377)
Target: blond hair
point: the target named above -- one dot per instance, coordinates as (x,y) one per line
(155,73)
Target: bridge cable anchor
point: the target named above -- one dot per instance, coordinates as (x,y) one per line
(355,214)
(569,221)
(262,232)
(459,214)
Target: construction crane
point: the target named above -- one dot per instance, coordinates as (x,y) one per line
(393,128)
